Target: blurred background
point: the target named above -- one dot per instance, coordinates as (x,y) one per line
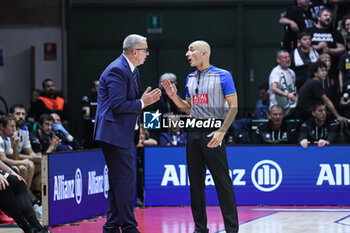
(72,41)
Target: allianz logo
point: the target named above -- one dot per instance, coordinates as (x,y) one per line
(266,176)
(73,188)
(98,184)
(67,189)
(339,175)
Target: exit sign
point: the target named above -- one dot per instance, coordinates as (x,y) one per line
(155,24)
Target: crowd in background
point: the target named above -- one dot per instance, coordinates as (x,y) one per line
(304,100)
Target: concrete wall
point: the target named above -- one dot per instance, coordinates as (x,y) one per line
(20,62)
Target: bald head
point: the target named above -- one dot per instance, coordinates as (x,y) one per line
(198,54)
(202,46)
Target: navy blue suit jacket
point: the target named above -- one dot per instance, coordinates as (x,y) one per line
(118,104)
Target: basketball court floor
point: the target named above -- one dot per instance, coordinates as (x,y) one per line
(252,219)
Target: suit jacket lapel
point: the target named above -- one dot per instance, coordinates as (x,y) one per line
(130,75)
(138,83)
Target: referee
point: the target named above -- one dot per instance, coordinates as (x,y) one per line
(207,91)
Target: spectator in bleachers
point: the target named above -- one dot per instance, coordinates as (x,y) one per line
(282,84)
(318,129)
(44,140)
(344,106)
(325,39)
(341,9)
(89,106)
(63,134)
(276,130)
(165,105)
(344,67)
(49,102)
(9,149)
(312,92)
(329,84)
(345,27)
(295,19)
(24,146)
(145,139)
(302,57)
(174,136)
(15,201)
(35,95)
(317,5)
(262,105)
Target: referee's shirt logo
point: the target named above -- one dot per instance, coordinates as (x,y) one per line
(200,99)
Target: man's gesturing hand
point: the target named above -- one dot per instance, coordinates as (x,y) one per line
(169,88)
(149,97)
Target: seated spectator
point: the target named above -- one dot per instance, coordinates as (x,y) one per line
(329,83)
(15,201)
(262,106)
(165,104)
(295,19)
(145,140)
(318,129)
(174,137)
(63,134)
(9,149)
(282,84)
(312,92)
(241,130)
(344,67)
(302,57)
(49,102)
(89,106)
(35,95)
(45,140)
(24,146)
(276,130)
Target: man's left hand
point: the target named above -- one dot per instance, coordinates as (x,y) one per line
(14,140)
(217,138)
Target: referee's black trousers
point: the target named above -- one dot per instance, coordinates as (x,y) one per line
(198,157)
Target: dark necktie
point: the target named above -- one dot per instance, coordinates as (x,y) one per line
(134,74)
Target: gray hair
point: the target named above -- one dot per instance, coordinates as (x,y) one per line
(275,106)
(166,76)
(278,54)
(130,41)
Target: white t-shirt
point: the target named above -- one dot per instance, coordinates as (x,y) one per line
(285,80)
(5,146)
(23,135)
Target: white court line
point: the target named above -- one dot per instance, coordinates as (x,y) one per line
(295,222)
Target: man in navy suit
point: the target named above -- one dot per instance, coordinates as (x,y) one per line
(120,101)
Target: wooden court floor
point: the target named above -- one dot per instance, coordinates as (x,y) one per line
(252,220)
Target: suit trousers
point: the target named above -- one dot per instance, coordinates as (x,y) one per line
(122,178)
(199,155)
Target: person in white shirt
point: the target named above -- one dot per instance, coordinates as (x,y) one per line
(24,147)
(9,149)
(282,84)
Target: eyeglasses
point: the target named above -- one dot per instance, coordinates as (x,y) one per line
(146,49)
